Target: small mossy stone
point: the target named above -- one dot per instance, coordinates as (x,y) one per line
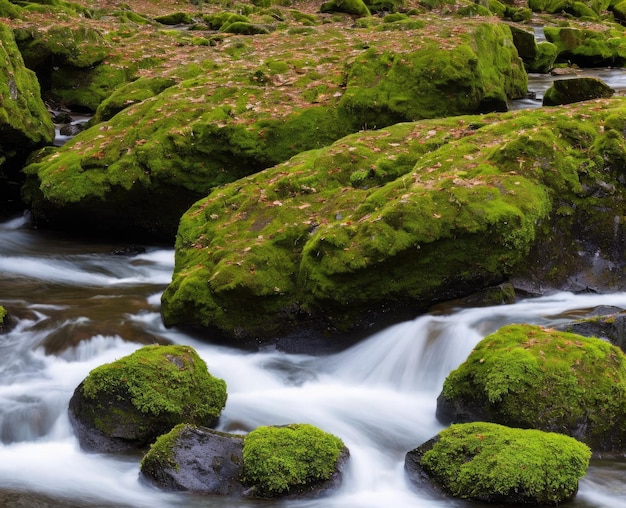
(126,404)
(532,377)
(497,464)
(3,315)
(567,91)
(175,18)
(354,7)
(290,459)
(195,459)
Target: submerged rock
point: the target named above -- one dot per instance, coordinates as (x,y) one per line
(125,405)
(497,464)
(531,377)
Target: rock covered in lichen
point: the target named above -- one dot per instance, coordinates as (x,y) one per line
(531,377)
(127,404)
(295,459)
(497,464)
(195,459)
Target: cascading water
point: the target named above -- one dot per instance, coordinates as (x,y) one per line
(78,306)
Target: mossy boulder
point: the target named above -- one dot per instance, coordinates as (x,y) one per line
(566,91)
(591,9)
(24,120)
(343,238)
(354,7)
(125,405)
(296,459)
(496,464)
(138,172)
(602,47)
(532,377)
(537,57)
(195,459)
(477,72)
(611,327)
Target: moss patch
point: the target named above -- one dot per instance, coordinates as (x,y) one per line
(168,383)
(532,377)
(282,460)
(489,462)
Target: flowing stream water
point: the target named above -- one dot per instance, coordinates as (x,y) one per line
(78,305)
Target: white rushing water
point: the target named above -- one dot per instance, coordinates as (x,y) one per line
(379,396)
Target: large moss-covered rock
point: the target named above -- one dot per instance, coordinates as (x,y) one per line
(532,377)
(566,91)
(337,238)
(296,459)
(142,168)
(24,120)
(497,464)
(195,459)
(537,57)
(477,71)
(599,47)
(125,405)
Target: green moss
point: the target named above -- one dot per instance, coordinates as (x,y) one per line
(171,383)
(175,18)
(587,48)
(482,460)
(161,452)
(387,87)
(281,460)
(127,95)
(3,315)
(354,7)
(532,377)
(24,120)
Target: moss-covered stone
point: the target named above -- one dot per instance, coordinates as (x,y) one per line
(354,7)
(175,18)
(24,120)
(404,216)
(222,122)
(291,459)
(128,403)
(591,9)
(566,91)
(3,315)
(477,72)
(531,377)
(588,48)
(497,464)
(196,459)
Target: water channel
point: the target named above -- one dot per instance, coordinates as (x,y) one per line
(78,305)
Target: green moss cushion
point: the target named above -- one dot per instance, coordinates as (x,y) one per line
(290,459)
(497,464)
(126,404)
(532,377)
